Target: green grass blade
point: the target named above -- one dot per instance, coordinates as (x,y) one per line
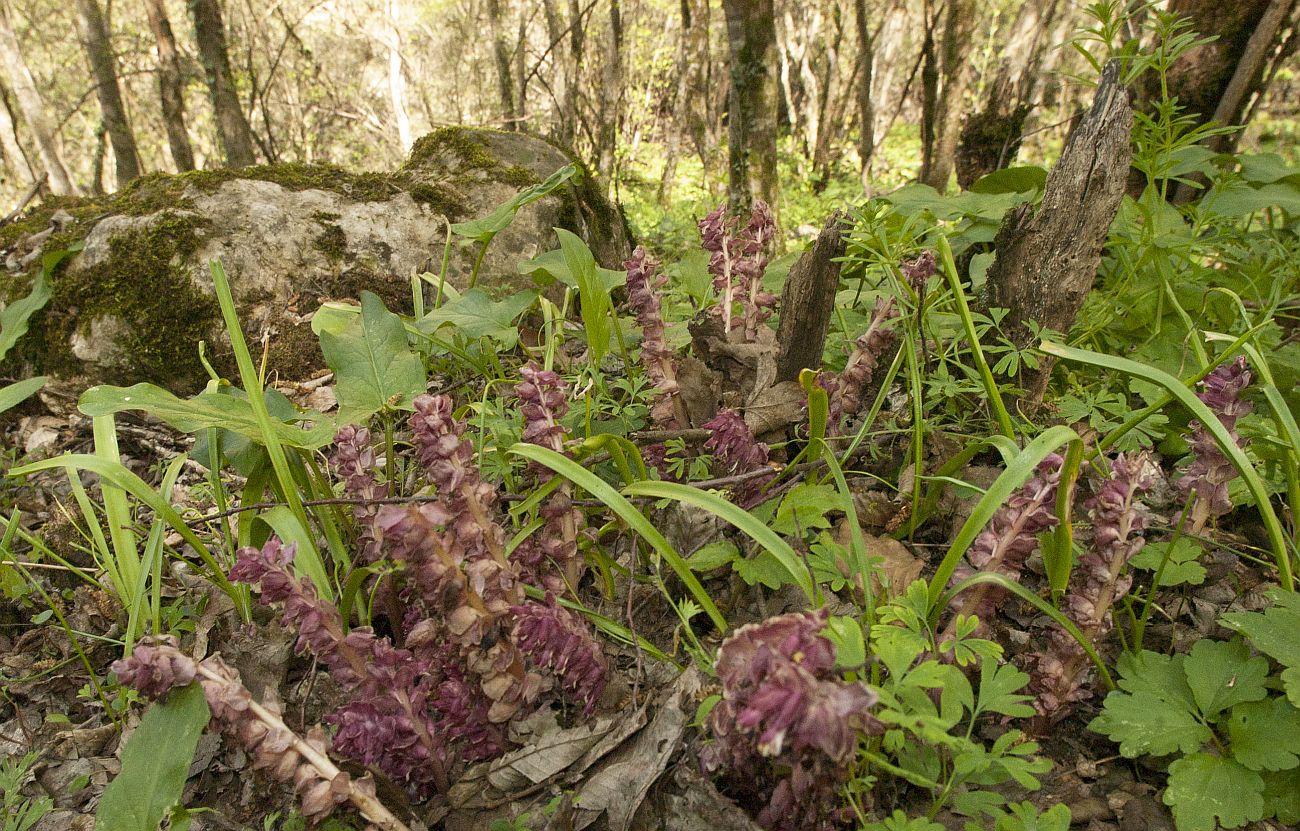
(738,517)
(987,577)
(117,511)
(977,353)
(1058,550)
(309,557)
(627,512)
(1213,426)
(117,474)
(1015,475)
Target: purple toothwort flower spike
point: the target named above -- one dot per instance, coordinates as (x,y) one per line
(919,270)
(1099,581)
(157,665)
(543,403)
(785,715)
(736,450)
(643,284)
(561,642)
(861,366)
(1210,471)
(1010,537)
(387,723)
(354,460)
(738,259)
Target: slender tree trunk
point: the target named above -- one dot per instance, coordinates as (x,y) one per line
(610,112)
(521,74)
(32,105)
(573,74)
(232,124)
(397,79)
(15,158)
(501,52)
(866,108)
(170,89)
(959,26)
(752,104)
(97,42)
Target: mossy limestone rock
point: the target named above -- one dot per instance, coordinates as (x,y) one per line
(137,299)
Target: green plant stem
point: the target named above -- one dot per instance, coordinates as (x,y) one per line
(977,353)
(1140,626)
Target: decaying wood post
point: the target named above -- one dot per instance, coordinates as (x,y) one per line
(1047,256)
(807,301)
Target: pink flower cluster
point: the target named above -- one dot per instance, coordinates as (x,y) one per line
(1210,471)
(787,722)
(735,450)
(643,284)
(737,262)
(1011,537)
(846,392)
(157,666)
(1099,581)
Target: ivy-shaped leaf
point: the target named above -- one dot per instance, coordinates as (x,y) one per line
(999,686)
(1265,735)
(474,315)
(1223,674)
(804,508)
(1205,789)
(1282,795)
(372,362)
(1272,631)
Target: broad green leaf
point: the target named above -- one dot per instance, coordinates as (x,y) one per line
(850,647)
(551,267)
(1282,795)
(1159,675)
(1182,566)
(1264,168)
(1012,180)
(1265,735)
(899,821)
(804,508)
(14,394)
(155,763)
(713,555)
(474,315)
(373,363)
(1223,673)
(485,228)
(593,298)
(207,409)
(1144,723)
(1205,789)
(14,316)
(762,568)
(1273,631)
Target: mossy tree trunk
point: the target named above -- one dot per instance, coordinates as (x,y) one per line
(232,125)
(14,156)
(170,89)
(752,104)
(97,42)
(44,132)
(866,107)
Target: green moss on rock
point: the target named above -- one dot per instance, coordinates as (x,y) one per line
(144,284)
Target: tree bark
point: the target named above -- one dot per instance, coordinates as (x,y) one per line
(1046,258)
(955,67)
(752,104)
(15,158)
(97,42)
(1201,77)
(232,124)
(808,300)
(610,103)
(866,108)
(573,74)
(32,105)
(501,53)
(171,94)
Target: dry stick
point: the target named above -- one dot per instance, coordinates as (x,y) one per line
(369,806)
(27,198)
